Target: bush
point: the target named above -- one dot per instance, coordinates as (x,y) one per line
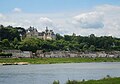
(56,82)
(5,54)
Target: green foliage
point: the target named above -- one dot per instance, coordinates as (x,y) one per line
(92,48)
(10,37)
(29,44)
(57,60)
(85,47)
(115,80)
(56,82)
(5,43)
(5,54)
(58,36)
(67,38)
(10,32)
(15,41)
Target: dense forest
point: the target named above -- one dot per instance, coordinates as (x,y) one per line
(14,38)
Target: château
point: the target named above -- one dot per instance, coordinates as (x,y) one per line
(46,35)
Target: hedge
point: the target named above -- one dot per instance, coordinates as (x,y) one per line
(5,54)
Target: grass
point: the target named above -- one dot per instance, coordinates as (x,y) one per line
(115,80)
(57,60)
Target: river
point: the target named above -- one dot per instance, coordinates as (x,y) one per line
(47,73)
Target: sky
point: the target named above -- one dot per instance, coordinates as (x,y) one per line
(83,17)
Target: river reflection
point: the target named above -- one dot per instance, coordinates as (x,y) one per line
(47,73)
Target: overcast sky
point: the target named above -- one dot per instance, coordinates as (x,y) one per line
(83,17)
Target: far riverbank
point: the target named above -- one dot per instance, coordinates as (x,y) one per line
(56,60)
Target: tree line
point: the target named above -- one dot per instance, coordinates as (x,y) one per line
(10,38)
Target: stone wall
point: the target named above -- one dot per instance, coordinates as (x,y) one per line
(19,53)
(60,54)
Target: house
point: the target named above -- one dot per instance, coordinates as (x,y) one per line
(26,54)
(39,53)
(57,54)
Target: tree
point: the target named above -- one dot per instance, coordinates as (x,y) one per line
(15,41)
(92,35)
(60,44)
(85,47)
(10,32)
(58,36)
(67,38)
(92,48)
(29,44)
(5,43)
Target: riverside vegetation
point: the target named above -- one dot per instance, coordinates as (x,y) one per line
(15,38)
(108,80)
(57,60)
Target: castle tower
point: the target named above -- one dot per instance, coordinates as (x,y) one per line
(46,29)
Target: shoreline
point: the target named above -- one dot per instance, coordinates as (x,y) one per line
(19,63)
(16,63)
(25,61)
(105,80)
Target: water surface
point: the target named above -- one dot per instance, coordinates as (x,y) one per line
(47,73)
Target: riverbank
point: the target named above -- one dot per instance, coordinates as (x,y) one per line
(56,60)
(109,80)
(115,80)
(15,63)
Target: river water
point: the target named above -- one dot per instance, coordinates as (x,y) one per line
(47,73)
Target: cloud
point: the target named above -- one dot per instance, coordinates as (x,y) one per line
(29,19)
(111,19)
(2,16)
(108,8)
(89,20)
(101,20)
(17,10)
(45,21)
